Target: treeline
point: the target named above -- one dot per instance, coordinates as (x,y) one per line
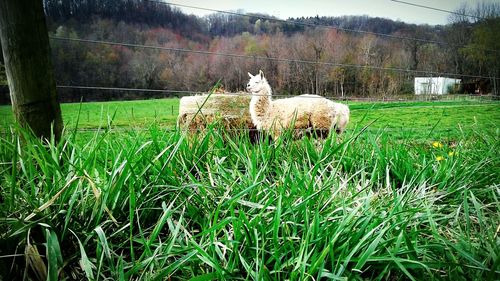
(117,66)
(156,14)
(230,25)
(145,12)
(296,58)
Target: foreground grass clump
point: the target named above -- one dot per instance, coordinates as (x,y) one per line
(157,205)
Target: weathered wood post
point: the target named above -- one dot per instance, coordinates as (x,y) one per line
(25,46)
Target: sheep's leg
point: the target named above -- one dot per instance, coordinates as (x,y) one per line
(275,129)
(322,133)
(337,129)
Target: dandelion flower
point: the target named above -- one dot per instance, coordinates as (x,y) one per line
(437,144)
(451,153)
(439,158)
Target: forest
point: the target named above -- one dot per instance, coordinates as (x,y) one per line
(315,55)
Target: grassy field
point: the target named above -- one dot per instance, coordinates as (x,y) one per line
(155,205)
(128,114)
(417,119)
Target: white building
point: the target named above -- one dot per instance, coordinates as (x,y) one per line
(434,85)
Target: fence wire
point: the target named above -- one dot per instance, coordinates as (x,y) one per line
(276,59)
(222,130)
(183,93)
(438,9)
(287,60)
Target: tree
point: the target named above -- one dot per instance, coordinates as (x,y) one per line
(25,46)
(484,49)
(480,55)
(457,34)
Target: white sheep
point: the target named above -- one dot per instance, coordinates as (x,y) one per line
(308,113)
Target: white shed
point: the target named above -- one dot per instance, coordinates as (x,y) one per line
(434,85)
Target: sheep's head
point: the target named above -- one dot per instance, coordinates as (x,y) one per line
(256,82)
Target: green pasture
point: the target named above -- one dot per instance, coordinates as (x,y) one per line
(439,119)
(130,114)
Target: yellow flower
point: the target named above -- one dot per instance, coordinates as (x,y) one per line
(437,144)
(451,153)
(439,158)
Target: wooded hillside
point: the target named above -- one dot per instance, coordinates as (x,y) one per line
(331,54)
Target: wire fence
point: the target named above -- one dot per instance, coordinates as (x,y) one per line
(269,58)
(179,93)
(439,10)
(183,93)
(170,129)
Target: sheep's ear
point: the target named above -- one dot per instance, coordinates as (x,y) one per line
(250,74)
(261,74)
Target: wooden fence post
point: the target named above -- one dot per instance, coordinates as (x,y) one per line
(26,51)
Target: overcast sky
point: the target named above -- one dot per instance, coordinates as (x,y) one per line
(297,8)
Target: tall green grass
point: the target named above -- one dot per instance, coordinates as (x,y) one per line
(157,205)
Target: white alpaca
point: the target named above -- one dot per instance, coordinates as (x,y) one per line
(308,113)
